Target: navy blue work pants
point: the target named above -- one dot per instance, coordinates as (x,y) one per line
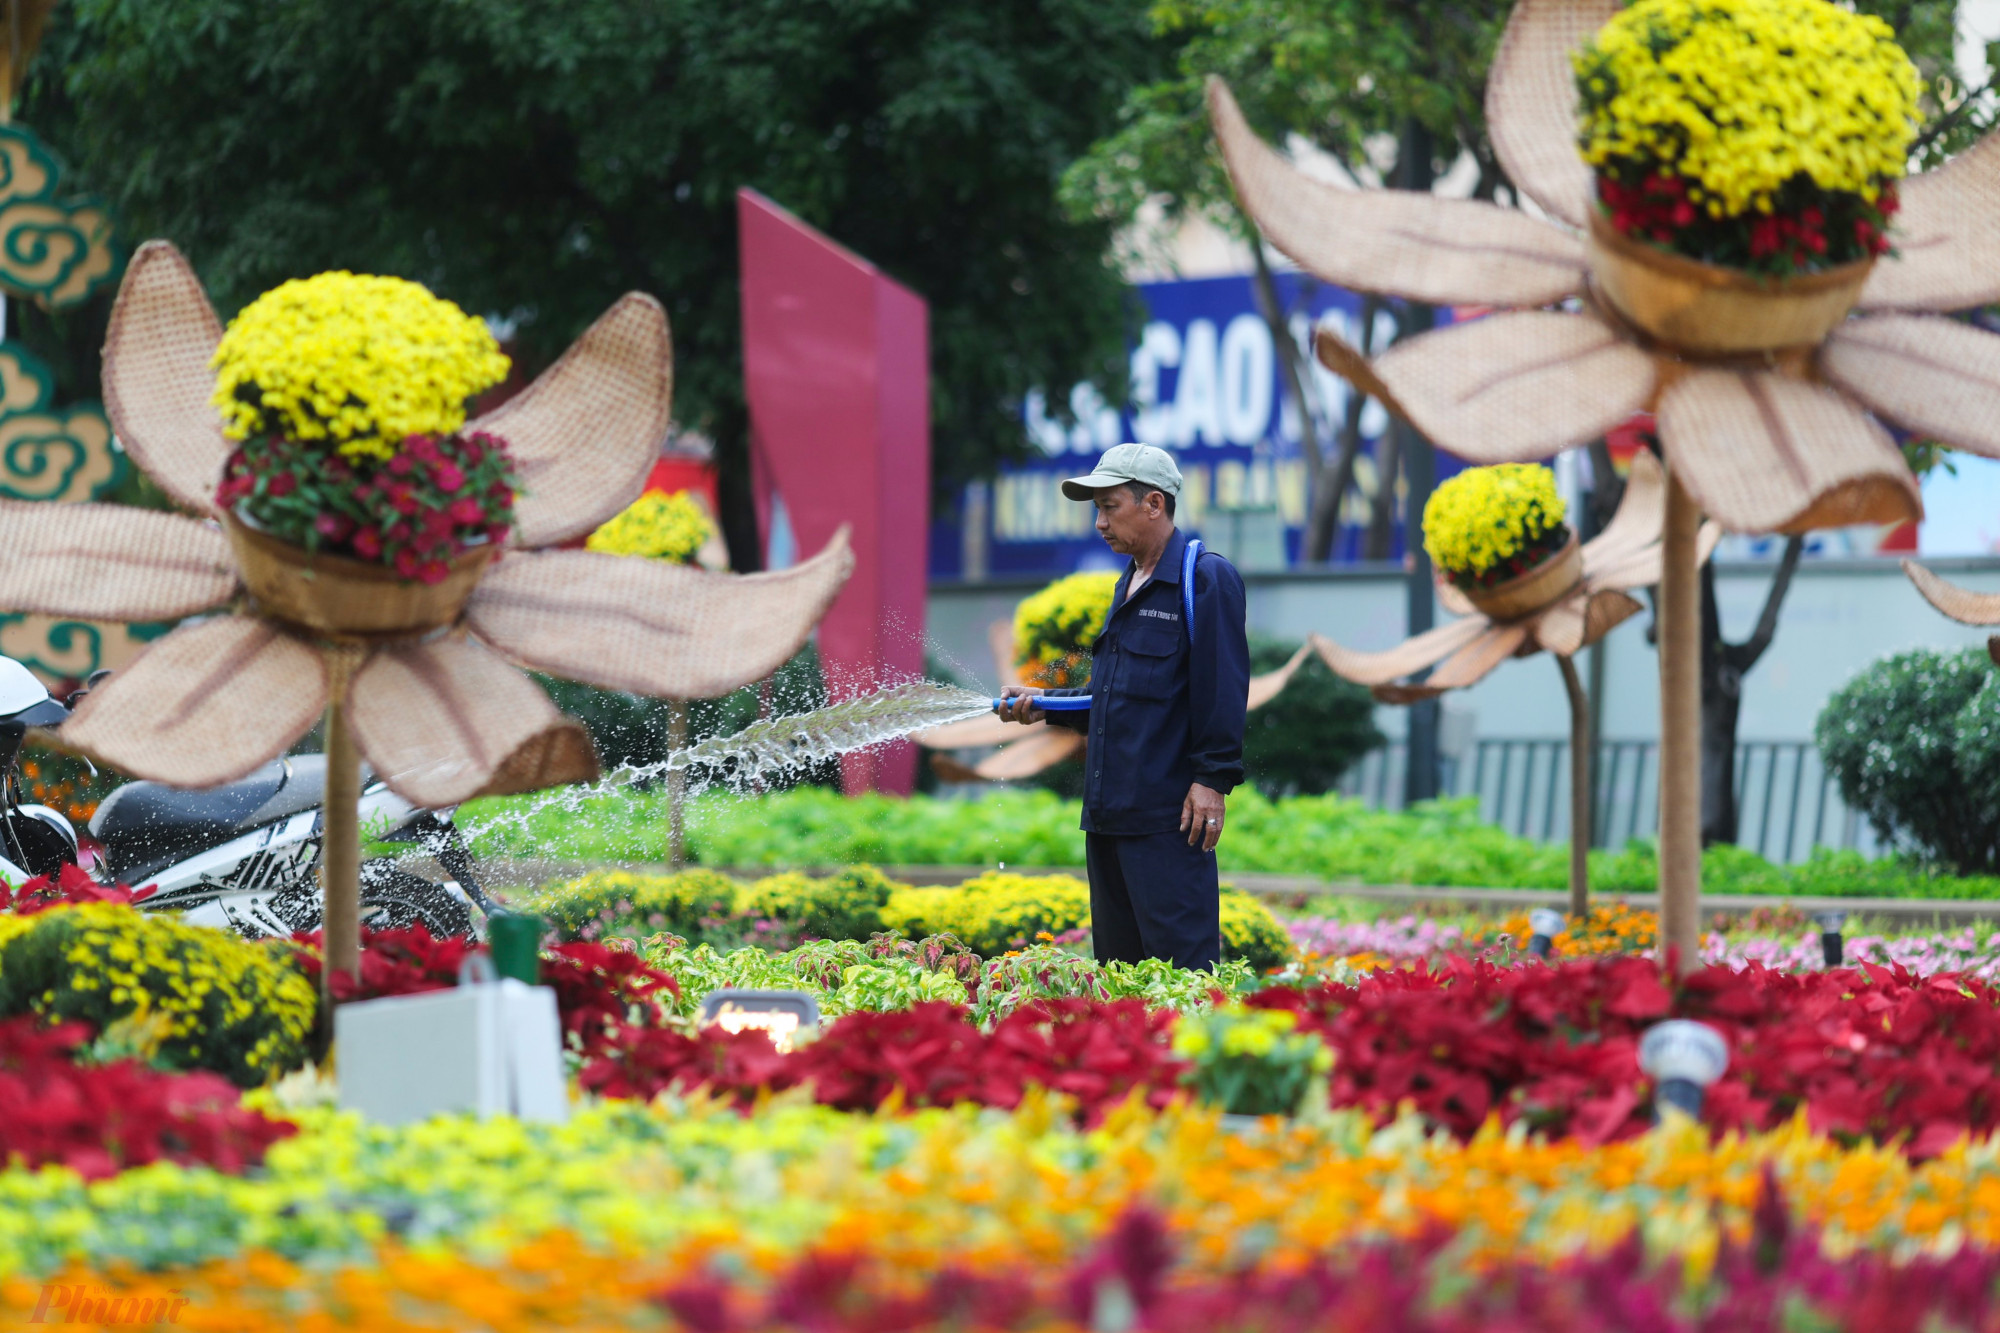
(1153,896)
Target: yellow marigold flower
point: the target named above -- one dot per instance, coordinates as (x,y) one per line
(1053,629)
(356,360)
(657,526)
(1742,97)
(1485,516)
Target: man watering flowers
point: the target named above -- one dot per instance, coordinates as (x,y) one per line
(1169,683)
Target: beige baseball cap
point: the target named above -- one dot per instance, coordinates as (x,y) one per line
(1128,462)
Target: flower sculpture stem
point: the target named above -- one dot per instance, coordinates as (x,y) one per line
(340,852)
(1579,789)
(1680,726)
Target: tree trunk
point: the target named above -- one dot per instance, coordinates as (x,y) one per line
(1382,506)
(1291,365)
(1324,523)
(1723,667)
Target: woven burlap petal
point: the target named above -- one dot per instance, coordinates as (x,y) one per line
(204,705)
(1396,242)
(1412,654)
(1961,604)
(446,720)
(1271,684)
(1763,453)
(584,435)
(649,626)
(1476,660)
(974,732)
(1040,751)
(157,377)
(1606,611)
(1531,102)
(1933,376)
(1639,520)
(110,562)
(1947,238)
(1349,362)
(1559,629)
(1517,386)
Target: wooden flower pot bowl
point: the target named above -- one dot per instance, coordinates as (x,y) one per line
(347,598)
(1709,310)
(1535,590)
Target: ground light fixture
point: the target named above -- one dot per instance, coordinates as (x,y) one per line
(1830,938)
(1546,923)
(1682,1058)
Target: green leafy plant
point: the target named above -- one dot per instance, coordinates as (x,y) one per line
(1914,742)
(1250,1061)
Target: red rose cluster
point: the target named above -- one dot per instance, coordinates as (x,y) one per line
(72,884)
(430,501)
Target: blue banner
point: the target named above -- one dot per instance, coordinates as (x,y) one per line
(1206,386)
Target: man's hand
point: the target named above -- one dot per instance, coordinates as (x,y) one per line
(1201,816)
(1017,704)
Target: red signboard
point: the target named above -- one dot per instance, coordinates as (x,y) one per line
(836,367)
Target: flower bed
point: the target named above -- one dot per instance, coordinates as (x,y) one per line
(989,914)
(514,1225)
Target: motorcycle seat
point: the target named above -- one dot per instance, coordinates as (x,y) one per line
(149,824)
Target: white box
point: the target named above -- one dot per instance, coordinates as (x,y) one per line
(494,1049)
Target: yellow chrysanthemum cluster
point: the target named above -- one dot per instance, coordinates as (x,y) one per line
(1486,516)
(360,361)
(1053,629)
(658,526)
(1740,97)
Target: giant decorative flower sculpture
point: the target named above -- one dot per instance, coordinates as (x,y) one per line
(1779,438)
(440,715)
(1771,382)
(1961,604)
(1569,616)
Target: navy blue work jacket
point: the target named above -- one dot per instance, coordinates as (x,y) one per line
(1165,712)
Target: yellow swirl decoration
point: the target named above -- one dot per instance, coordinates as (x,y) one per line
(48,453)
(54,249)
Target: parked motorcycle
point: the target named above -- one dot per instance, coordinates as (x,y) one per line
(244,855)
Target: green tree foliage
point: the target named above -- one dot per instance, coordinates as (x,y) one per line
(1914,742)
(534,160)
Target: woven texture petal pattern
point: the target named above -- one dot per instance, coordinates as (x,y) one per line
(1474,662)
(1531,102)
(204,705)
(1934,376)
(649,626)
(1412,654)
(1560,628)
(1271,684)
(1041,750)
(1762,453)
(1947,238)
(110,562)
(1517,386)
(157,379)
(584,435)
(1396,242)
(446,720)
(1961,604)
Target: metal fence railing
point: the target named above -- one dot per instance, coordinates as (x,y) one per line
(1786,802)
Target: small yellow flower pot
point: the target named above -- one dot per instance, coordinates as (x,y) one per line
(1709,310)
(1534,590)
(346,598)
